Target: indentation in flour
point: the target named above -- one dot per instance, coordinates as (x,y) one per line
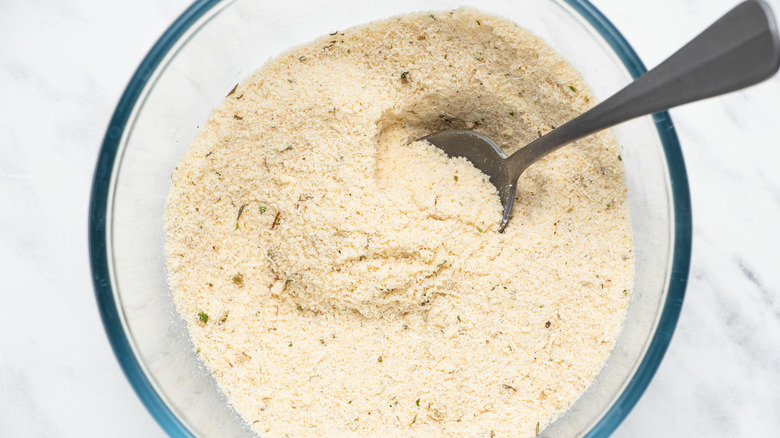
(477,109)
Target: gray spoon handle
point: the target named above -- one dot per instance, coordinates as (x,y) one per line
(740,49)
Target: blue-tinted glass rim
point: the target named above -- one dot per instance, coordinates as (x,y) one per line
(108,154)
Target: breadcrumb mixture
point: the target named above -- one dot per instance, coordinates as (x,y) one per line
(341,279)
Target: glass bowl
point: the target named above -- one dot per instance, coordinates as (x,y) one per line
(214,45)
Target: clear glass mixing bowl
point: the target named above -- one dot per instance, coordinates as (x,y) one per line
(214,45)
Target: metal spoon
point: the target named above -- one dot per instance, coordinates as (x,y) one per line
(740,49)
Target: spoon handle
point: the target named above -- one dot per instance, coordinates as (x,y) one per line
(740,49)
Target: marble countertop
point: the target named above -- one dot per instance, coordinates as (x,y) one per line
(63,67)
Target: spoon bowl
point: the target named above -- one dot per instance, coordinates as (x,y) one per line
(486,156)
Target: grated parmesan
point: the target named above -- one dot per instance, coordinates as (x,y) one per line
(339,278)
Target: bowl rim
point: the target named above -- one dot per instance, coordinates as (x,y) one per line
(100,197)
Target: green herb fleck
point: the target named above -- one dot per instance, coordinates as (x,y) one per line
(379,359)
(224,317)
(512,113)
(459,318)
(218,173)
(404,75)
(609,206)
(290,345)
(572,88)
(478,23)
(203,317)
(299,307)
(349,402)
(262,209)
(478,228)
(417,402)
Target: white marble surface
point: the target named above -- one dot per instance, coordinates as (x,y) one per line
(64,65)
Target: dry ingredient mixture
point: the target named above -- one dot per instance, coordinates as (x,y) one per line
(340,279)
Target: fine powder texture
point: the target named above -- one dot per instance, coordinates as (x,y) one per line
(339,278)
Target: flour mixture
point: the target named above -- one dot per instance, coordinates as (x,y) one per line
(340,279)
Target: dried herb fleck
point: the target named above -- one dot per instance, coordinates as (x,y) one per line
(262,209)
(238,279)
(405,77)
(547,324)
(232,91)
(417,402)
(276,220)
(572,88)
(204,318)
(224,317)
